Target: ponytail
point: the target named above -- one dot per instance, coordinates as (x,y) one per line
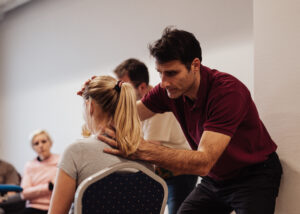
(126,120)
(119,102)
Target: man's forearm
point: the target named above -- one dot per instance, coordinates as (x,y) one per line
(181,161)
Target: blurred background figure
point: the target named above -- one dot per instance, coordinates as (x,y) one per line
(162,128)
(8,175)
(39,175)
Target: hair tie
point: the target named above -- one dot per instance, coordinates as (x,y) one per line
(118,86)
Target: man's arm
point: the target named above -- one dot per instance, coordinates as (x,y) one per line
(200,162)
(143,111)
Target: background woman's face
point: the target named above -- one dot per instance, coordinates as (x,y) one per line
(41,145)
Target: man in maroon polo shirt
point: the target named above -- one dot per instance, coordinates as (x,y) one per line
(232,150)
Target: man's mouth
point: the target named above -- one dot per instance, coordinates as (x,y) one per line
(171,90)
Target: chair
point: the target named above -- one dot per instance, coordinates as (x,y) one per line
(4,188)
(13,204)
(113,190)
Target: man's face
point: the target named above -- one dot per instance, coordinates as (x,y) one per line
(125,78)
(176,79)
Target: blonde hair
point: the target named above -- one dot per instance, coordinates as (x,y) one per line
(85,132)
(39,132)
(119,103)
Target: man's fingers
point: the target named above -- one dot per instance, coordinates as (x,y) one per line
(110,132)
(108,140)
(84,85)
(113,151)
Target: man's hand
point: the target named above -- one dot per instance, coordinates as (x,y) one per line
(84,85)
(109,137)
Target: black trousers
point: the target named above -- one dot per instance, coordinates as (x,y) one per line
(34,211)
(254,191)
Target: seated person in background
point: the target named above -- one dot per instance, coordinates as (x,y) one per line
(107,103)
(8,175)
(39,175)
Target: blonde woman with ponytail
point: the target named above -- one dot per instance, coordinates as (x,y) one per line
(107,103)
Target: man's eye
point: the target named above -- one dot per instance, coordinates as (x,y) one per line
(172,73)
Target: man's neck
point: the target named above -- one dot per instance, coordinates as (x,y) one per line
(149,87)
(195,87)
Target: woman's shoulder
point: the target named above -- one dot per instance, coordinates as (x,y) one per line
(84,144)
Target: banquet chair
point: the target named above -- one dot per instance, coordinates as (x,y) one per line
(119,189)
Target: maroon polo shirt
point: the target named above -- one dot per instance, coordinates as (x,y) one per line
(223,105)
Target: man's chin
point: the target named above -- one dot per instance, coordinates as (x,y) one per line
(173,95)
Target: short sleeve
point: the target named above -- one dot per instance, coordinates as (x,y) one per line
(157,128)
(226,112)
(68,161)
(157,100)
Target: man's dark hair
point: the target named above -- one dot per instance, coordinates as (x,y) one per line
(176,45)
(136,71)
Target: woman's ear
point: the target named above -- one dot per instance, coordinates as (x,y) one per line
(92,107)
(89,106)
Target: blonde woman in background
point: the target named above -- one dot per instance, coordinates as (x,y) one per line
(39,175)
(106,103)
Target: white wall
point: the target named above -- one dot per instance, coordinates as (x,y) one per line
(48,48)
(277,87)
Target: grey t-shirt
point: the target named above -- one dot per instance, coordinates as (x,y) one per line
(86,157)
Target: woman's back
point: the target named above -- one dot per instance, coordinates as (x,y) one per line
(107,103)
(86,157)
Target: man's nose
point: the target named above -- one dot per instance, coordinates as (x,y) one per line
(164,82)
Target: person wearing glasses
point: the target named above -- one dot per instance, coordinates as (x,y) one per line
(39,175)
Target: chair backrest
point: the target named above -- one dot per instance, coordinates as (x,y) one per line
(4,188)
(112,190)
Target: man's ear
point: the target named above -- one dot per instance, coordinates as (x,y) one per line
(195,66)
(142,88)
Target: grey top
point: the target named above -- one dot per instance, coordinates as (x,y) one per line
(86,157)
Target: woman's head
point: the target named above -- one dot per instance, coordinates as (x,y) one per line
(41,143)
(108,102)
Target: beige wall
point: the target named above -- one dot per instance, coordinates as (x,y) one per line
(277,88)
(48,48)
